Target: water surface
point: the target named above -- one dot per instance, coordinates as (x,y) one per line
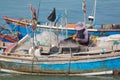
(5,76)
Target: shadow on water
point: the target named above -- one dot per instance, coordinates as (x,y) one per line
(6,76)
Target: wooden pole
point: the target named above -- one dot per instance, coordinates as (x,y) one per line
(50,45)
(85,19)
(84,10)
(66,23)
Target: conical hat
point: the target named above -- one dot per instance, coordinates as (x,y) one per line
(80,26)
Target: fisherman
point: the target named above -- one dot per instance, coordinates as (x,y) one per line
(79,41)
(81,36)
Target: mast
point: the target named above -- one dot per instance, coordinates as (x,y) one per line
(34,22)
(84,10)
(94,11)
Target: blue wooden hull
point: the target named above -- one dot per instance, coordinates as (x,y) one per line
(61,66)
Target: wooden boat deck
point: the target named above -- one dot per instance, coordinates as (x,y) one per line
(93,54)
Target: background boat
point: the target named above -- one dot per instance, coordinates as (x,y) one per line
(68,30)
(8,35)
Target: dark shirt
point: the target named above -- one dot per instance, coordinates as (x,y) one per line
(83,35)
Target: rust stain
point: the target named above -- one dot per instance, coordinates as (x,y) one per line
(116,72)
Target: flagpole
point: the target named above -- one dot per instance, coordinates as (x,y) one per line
(51,18)
(50,45)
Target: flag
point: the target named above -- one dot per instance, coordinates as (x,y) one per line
(52,16)
(84,5)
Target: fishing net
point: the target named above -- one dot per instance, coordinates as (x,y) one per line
(47,38)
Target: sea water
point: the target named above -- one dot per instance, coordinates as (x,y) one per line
(6,76)
(107,12)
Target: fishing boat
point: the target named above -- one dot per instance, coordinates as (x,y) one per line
(46,55)
(102,57)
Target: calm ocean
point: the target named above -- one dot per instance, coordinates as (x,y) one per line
(4,76)
(108,12)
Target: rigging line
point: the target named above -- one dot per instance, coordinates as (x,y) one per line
(93,14)
(94,10)
(66,21)
(38,10)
